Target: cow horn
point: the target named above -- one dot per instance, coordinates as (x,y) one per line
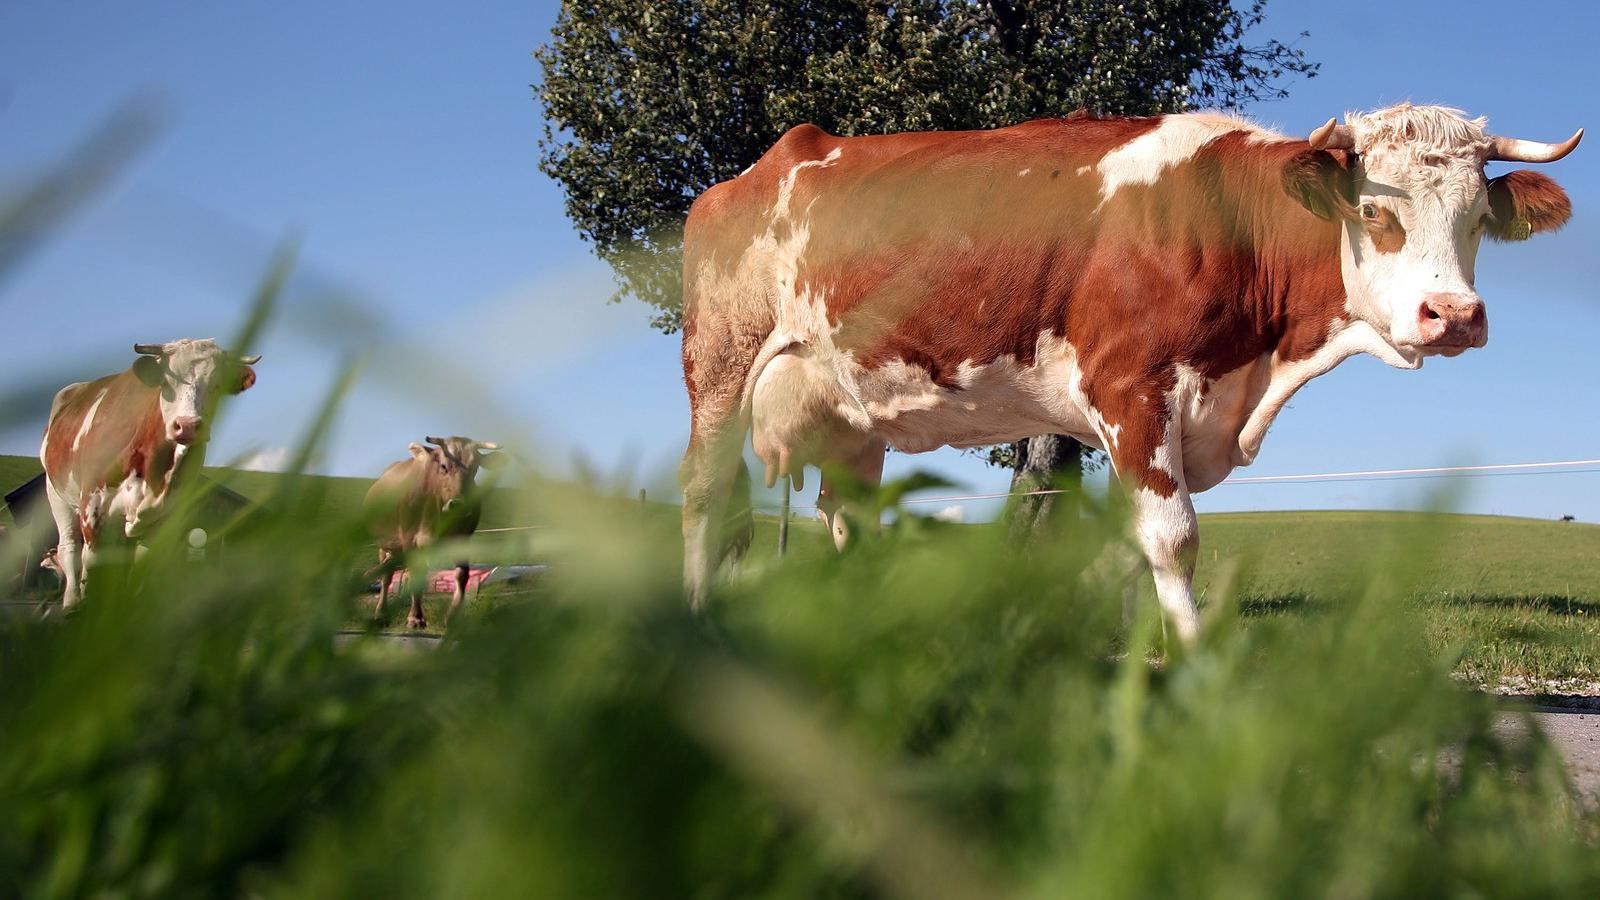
(1333,136)
(1514,150)
(150,349)
(436,441)
(250,360)
(488,445)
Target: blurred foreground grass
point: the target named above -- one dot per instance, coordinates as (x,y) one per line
(933,714)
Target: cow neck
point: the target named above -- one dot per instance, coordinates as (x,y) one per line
(152,455)
(1297,292)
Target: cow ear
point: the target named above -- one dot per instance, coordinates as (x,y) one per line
(1322,182)
(1525,203)
(247,377)
(148,370)
(419,452)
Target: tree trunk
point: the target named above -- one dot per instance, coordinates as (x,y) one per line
(1043,462)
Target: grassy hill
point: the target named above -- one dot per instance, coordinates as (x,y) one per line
(15,470)
(1304,552)
(1282,554)
(340,495)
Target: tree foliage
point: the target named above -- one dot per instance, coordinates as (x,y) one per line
(649,102)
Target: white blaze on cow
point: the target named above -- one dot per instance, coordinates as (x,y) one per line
(423,499)
(112,446)
(1158,288)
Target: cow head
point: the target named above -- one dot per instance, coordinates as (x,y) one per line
(452,465)
(190,374)
(1414,203)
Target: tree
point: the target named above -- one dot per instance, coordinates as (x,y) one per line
(649,102)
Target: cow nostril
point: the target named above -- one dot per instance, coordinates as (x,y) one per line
(1429,312)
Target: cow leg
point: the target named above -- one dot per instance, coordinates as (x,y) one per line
(711,468)
(385,572)
(708,474)
(134,501)
(91,518)
(463,575)
(727,337)
(416,586)
(69,546)
(1169,536)
(1148,458)
(865,462)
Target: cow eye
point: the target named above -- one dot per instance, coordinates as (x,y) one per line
(1369,212)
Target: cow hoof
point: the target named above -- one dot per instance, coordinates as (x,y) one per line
(415,622)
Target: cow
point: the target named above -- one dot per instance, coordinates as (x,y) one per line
(1155,287)
(114,448)
(420,500)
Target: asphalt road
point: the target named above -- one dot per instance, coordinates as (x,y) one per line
(1576,735)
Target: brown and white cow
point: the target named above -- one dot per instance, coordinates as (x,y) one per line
(1155,287)
(420,500)
(114,447)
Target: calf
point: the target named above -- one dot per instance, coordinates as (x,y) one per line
(419,500)
(115,447)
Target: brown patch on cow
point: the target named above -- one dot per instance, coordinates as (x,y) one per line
(1388,235)
(127,435)
(1524,196)
(1156,481)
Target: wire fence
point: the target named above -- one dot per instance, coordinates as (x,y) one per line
(1562,467)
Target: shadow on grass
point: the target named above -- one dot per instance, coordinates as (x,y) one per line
(1296,603)
(1558,605)
(1572,704)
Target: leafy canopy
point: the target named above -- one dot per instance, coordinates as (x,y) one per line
(650,102)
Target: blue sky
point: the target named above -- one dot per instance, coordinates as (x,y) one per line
(398,141)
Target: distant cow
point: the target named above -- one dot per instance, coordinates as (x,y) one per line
(419,500)
(1158,288)
(114,447)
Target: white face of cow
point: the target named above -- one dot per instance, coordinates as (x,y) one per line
(1409,254)
(451,464)
(1415,206)
(188,374)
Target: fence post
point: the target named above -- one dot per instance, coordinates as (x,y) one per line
(644,510)
(783,521)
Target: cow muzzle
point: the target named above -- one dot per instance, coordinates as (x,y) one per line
(184,430)
(1452,323)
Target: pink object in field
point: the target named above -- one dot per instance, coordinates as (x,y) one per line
(443,581)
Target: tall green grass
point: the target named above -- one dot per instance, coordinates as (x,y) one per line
(936,713)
